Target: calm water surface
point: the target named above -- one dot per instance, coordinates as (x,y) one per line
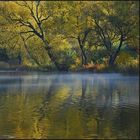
(68,105)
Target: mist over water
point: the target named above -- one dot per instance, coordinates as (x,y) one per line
(42,105)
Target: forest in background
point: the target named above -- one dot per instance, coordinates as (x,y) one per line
(98,36)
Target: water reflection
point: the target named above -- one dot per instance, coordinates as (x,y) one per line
(69,106)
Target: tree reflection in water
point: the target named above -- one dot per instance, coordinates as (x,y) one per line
(70,106)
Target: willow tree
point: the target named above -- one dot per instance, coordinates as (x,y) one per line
(76,24)
(113,24)
(34,18)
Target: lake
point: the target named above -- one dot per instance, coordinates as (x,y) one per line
(70,105)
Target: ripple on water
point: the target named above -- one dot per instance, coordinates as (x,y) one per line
(82,105)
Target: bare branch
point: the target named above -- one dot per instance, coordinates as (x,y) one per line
(44,19)
(27,50)
(86,32)
(69,37)
(37,8)
(32,35)
(26,32)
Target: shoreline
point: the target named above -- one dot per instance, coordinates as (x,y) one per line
(83,71)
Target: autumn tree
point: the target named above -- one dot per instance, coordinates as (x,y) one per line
(76,25)
(113,24)
(63,32)
(32,24)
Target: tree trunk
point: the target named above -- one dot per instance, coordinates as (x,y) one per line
(30,56)
(114,56)
(84,57)
(51,56)
(111,60)
(19,58)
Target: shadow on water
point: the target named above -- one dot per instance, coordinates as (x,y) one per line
(69,106)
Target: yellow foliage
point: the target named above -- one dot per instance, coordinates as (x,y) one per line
(17,9)
(73,67)
(59,43)
(123,58)
(78,61)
